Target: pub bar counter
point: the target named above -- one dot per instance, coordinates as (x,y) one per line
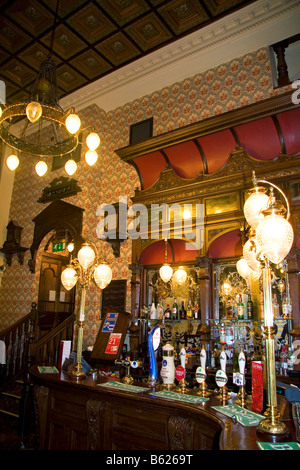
(85,415)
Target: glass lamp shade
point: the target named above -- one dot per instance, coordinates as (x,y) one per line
(254,205)
(226,288)
(249,253)
(166,272)
(69,278)
(86,255)
(245,271)
(102,275)
(91,157)
(41,168)
(34,111)
(73,123)
(275,236)
(180,276)
(93,141)
(12,162)
(70,167)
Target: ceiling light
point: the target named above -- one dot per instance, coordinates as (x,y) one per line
(93,141)
(70,167)
(166,271)
(12,162)
(91,157)
(73,123)
(41,168)
(42,115)
(34,111)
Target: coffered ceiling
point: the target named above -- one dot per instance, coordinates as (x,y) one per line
(92,39)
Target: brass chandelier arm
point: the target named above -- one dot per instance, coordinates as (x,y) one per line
(55,115)
(256,181)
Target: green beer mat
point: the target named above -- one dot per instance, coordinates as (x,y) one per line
(278,445)
(243,416)
(179,397)
(121,386)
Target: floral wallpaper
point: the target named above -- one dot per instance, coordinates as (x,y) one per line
(232,85)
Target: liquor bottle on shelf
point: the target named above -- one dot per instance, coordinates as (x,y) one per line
(249,308)
(291,359)
(160,310)
(286,308)
(189,310)
(168,313)
(153,312)
(182,312)
(275,307)
(240,308)
(175,315)
(196,312)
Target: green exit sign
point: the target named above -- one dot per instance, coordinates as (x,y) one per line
(59,246)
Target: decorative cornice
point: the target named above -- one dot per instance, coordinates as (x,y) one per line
(259,24)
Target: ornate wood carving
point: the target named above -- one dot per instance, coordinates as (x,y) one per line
(59,188)
(180,432)
(96,412)
(57,215)
(12,245)
(40,396)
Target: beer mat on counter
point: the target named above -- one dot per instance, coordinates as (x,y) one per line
(121,386)
(179,396)
(48,370)
(278,445)
(241,415)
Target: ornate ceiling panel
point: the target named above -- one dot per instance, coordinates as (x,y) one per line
(92,38)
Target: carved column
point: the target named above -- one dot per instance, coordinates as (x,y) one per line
(294,282)
(204,277)
(282,68)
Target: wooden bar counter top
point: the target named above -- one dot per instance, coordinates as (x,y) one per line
(85,415)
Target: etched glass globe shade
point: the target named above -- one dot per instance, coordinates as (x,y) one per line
(73,123)
(180,276)
(12,162)
(245,271)
(41,168)
(86,255)
(166,272)
(70,167)
(102,275)
(69,278)
(91,157)
(34,111)
(275,236)
(93,141)
(254,205)
(250,250)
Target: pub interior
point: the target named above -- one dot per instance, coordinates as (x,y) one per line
(149,295)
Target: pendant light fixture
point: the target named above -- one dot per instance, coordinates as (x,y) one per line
(166,271)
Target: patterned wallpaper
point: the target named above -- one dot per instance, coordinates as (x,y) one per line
(232,85)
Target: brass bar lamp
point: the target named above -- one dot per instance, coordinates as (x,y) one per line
(82,270)
(273,236)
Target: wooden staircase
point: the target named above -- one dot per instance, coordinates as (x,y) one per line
(27,344)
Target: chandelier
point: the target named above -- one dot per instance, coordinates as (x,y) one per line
(48,131)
